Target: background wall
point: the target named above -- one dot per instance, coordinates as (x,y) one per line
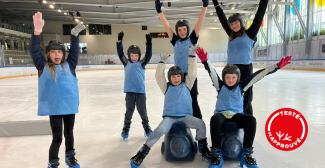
(213,40)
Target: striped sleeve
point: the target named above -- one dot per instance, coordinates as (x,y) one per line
(217,82)
(258,75)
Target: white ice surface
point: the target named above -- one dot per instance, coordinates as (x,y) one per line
(99,123)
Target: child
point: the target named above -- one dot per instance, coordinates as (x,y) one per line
(177,106)
(229,107)
(134,83)
(181,42)
(58,91)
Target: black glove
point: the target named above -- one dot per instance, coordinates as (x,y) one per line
(215,3)
(205,3)
(158,6)
(149,38)
(120,36)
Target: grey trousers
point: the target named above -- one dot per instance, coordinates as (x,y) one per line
(138,100)
(166,125)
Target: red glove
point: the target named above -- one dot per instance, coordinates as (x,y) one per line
(284,61)
(202,55)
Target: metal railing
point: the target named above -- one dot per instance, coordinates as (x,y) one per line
(16,28)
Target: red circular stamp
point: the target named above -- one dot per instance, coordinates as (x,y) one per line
(286,129)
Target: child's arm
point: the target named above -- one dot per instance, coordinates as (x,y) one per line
(258,75)
(222,17)
(201,17)
(74,50)
(119,47)
(148,55)
(35,52)
(164,20)
(160,73)
(217,82)
(255,27)
(192,68)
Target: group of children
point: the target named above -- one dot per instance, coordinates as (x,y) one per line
(59,92)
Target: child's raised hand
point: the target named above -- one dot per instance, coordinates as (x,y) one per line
(164,57)
(120,36)
(205,3)
(158,6)
(76,30)
(192,50)
(38,22)
(201,54)
(284,61)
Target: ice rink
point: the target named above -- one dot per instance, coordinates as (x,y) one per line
(99,123)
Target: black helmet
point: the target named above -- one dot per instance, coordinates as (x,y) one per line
(54,45)
(175,70)
(236,16)
(134,50)
(230,69)
(182,23)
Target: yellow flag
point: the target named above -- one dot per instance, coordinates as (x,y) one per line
(320,3)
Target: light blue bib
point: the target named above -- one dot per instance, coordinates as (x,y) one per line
(229,100)
(134,78)
(60,97)
(178,101)
(240,50)
(181,52)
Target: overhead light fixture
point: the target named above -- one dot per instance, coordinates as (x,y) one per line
(59,10)
(65,13)
(232,8)
(211,13)
(86,25)
(82,22)
(44,2)
(76,20)
(54,3)
(52,6)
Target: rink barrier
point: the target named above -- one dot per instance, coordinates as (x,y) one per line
(312,65)
(25,128)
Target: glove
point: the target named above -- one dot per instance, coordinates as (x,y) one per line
(164,57)
(205,3)
(38,22)
(193,50)
(284,61)
(201,54)
(75,31)
(149,38)
(215,3)
(158,6)
(120,36)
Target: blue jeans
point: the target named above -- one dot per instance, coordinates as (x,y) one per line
(132,100)
(166,125)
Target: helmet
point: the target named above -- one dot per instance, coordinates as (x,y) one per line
(134,50)
(54,45)
(230,69)
(182,23)
(236,16)
(175,70)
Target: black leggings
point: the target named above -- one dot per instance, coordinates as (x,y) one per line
(248,122)
(245,72)
(195,103)
(56,126)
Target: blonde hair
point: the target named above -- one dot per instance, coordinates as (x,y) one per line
(52,67)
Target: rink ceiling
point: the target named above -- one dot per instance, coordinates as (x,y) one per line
(102,107)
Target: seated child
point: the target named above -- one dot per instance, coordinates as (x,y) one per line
(229,107)
(177,106)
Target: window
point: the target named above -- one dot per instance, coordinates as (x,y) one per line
(67,29)
(98,29)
